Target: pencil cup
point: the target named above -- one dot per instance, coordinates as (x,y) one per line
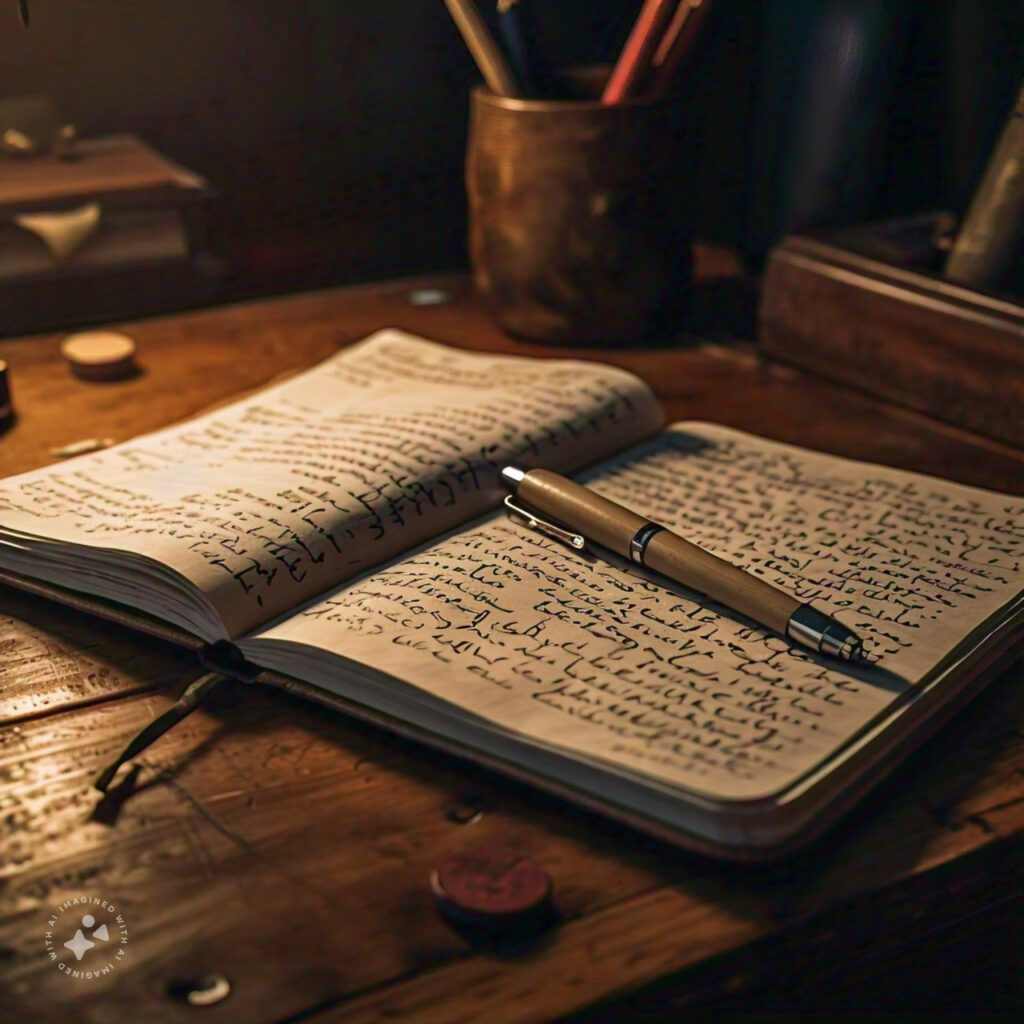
(578,226)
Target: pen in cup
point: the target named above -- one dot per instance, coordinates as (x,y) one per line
(514,31)
(485,50)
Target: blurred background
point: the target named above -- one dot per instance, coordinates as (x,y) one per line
(334,132)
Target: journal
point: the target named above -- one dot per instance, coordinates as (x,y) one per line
(342,534)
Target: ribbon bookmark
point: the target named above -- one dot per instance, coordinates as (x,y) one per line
(194,695)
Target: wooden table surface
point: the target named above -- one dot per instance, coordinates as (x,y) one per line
(288,849)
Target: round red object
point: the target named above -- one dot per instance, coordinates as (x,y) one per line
(492,883)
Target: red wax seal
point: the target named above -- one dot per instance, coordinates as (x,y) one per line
(492,888)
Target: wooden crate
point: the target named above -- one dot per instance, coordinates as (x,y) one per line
(899,333)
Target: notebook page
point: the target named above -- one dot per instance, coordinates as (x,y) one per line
(265,503)
(597,657)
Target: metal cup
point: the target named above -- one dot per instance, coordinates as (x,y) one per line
(578,224)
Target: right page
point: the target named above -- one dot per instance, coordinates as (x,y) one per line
(595,658)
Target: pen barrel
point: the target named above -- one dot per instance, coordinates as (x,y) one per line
(693,567)
(601,521)
(612,526)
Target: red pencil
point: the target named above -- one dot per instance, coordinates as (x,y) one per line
(634,62)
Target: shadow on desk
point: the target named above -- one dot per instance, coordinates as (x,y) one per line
(851,924)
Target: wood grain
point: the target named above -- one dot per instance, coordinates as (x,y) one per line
(54,661)
(290,849)
(266,818)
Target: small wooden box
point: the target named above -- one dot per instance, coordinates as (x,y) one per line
(899,332)
(150,252)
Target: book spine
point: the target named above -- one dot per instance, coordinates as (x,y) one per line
(993,228)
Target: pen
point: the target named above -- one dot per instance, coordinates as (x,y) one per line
(484,49)
(634,63)
(511,24)
(676,44)
(580,515)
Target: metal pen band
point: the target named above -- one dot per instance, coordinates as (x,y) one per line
(642,537)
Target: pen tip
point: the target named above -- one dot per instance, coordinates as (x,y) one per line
(852,650)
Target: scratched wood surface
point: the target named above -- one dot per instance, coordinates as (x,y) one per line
(288,849)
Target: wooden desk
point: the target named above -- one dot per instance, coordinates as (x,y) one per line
(288,849)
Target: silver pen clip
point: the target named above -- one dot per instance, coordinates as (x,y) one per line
(534,522)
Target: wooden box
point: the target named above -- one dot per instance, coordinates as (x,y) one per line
(874,318)
(150,251)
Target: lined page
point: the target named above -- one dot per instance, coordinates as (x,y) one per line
(597,657)
(272,500)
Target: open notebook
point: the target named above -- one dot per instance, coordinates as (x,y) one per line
(340,530)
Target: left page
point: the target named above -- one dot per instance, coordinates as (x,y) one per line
(229,520)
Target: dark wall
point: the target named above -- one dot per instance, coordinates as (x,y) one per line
(876,108)
(335,131)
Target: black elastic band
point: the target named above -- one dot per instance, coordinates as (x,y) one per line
(222,660)
(193,696)
(642,537)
